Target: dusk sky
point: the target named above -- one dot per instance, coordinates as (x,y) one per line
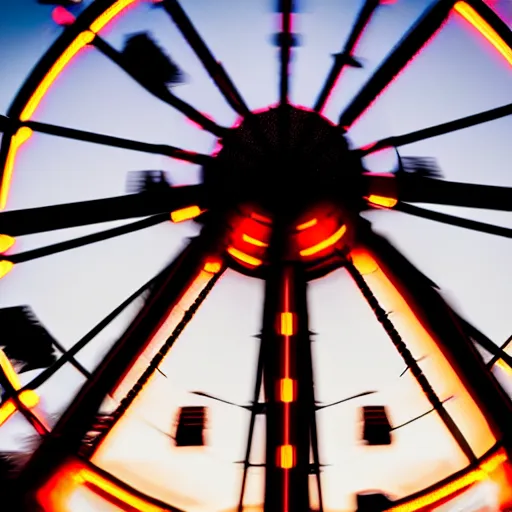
(458,74)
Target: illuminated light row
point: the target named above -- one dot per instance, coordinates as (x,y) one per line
(83,39)
(245,258)
(325,243)
(287,389)
(308,224)
(253,241)
(476,475)
(386,202)
(470,15)
(183,214)
(21,136)
(286,324)
(286,456)
(59,493)
(6,242)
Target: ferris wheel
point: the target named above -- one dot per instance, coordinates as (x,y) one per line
(281,201)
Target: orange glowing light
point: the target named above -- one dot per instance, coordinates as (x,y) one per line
(245,258)
(286,324)
(57,493)
(28,398)
(6,242)
(6,411)
(98,481)
(187,213)
(253,241)
(504,366)
(287,390)
(212,267)
(471,477)
(471,16)
(9,371)
(325,243)
(308,224)
(286,456)
(261,218)
(5,267)
(21,136)
(386,202)
(363,262)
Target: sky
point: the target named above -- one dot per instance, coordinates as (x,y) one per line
(456,75)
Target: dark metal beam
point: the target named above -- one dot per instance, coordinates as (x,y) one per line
(61,216)
(440,322)
(401,55)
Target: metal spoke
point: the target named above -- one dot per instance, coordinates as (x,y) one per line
(86,240)
(411,362)
(212,66)
(285,45)
(252,422)
(155,362)
(496,357)
(80,344)
(109,140)
(440,129)
(345,57)
(442,325)
(161,92)
(402,54)
(487,344)
(37,423)
(48,218)
(452,220)
(174,281)
(411,188)
(74,362)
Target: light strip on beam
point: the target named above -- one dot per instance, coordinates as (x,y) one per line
(471,16)
(306,225)
(21,136)
(386,202)
(253,241)
(183,214)
(325,243)
(245,258)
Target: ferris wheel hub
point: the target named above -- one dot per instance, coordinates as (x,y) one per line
(286,160)
(291,164)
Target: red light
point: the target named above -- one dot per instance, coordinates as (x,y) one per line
(62,16)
